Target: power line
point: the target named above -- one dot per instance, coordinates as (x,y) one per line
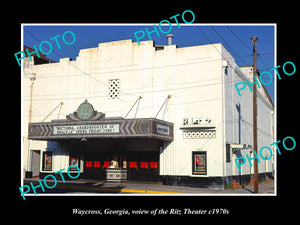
(238,38)
(75,66)
(147,68)
(143,92)
(149,107)
(260,58)
(213,45)
(109,71)
(130,89)
(77,93)
(133,94)
(228,45)
(142,69)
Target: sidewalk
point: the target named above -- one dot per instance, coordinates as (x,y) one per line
(92,186)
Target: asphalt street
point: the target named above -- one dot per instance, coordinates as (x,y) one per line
(101,187)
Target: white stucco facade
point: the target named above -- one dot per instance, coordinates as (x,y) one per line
(199,79)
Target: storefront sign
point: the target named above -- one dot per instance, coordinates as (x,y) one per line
(162,129)
(87,129)
(196,122)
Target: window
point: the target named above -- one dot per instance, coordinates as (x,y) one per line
(114,88)
(96,163)
(144,164)
(153,165)
(228,155)
(88,163)
(132,164)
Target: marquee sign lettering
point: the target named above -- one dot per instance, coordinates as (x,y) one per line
(86,129)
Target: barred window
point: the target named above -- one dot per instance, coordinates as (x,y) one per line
(114,88)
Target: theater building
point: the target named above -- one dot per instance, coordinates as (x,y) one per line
(155,113)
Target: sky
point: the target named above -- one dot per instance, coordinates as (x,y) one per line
(234,37)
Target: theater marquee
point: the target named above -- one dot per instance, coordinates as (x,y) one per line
(95,125)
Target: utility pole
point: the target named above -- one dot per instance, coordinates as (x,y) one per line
(254,39)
